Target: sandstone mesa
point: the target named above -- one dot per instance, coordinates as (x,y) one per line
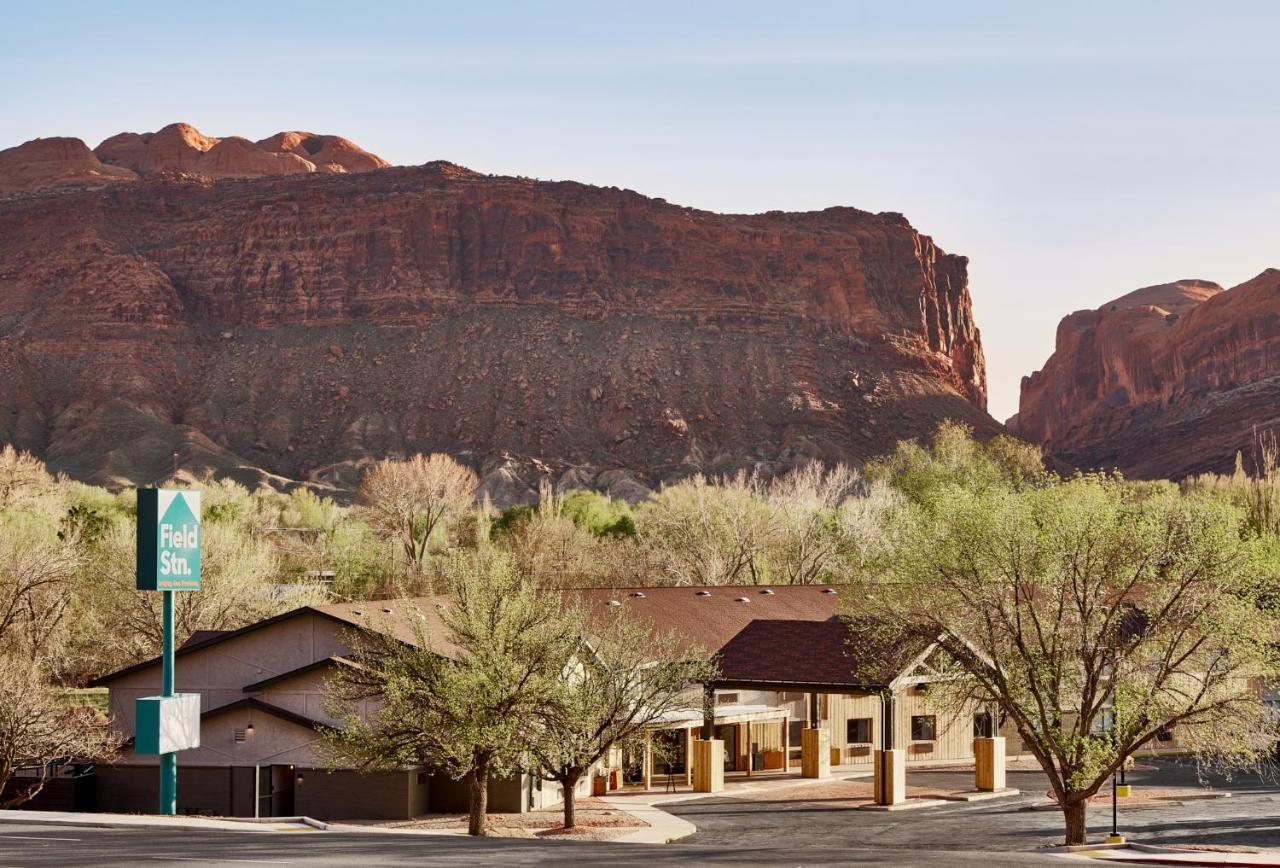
(181,148)
(1164,382)
(293,309)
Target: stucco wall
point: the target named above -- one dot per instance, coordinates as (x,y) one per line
(220,672)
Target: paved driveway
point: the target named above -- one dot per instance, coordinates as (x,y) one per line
(1248,818)
(756,832)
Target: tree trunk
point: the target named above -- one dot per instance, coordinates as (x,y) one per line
(569,781)
(1076,815)
(478,779)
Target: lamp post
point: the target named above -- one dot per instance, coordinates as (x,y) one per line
(1115,837)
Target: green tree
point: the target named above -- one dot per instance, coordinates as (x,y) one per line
(1093,618)
(467,692)
(622,678)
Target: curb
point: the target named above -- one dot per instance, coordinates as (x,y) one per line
(908,805)
(663,828)
(1150,854)
(209,824)
(980,795)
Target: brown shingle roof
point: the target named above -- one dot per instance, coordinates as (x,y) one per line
(708,617)
(398,618)
(798,654)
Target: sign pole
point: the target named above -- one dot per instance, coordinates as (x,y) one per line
(168,561)
(168,761)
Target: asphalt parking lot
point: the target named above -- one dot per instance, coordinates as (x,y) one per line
(1248,818)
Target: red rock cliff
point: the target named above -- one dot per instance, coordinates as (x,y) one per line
(302,325)
(178,148)
(1164,382)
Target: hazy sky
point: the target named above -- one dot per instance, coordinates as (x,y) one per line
(1074,151)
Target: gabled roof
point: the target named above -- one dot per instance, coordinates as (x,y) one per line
(394,617)
(322,663)
(829,655)
(199,637)
(399,619)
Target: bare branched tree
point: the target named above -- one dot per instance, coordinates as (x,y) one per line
(410,499)
(40,731)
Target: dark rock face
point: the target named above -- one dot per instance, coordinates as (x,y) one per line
(1167,381)
(300,326)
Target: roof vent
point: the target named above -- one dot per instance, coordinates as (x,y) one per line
(615,602)
(637,593)
(704,593)
(741,600)
(767,592)
(828,590)
(357,611)
(386,611)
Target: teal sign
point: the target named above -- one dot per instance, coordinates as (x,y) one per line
(168,540)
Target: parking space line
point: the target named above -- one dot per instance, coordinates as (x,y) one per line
(220,861)
(38,838)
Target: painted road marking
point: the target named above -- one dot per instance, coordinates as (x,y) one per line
(220,861)
(38,838)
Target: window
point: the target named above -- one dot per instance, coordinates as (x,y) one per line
(858,730)
(1104,722)
(726,699)
(1165,735)
(795,736)
(924,727)
(982,725)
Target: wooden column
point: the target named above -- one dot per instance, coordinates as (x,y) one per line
(786,745)
(708,766)
(988,764)
(890,782)
(688,756)
(815,753)
(648,760)
(747,726)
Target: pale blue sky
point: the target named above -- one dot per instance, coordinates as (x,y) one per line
(1074,151)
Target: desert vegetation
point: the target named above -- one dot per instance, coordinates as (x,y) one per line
(1091,610)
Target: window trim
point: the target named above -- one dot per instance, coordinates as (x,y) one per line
(848,733)
(933,727)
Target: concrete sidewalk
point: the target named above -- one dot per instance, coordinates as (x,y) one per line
(156,821)
(663,828)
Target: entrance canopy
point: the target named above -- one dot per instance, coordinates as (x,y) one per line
(829,656)
(691,718)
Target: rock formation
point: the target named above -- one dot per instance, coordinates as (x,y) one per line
(180,148)
(56,162)
(299,326)
(1166,381)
